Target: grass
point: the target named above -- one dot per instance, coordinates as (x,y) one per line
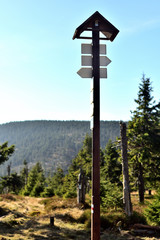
(24,218)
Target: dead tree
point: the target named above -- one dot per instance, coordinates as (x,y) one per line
(81,188)
(9,169)
(126,189)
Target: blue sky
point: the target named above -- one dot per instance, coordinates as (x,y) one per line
(39,60)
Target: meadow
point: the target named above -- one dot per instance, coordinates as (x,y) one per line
(23,218)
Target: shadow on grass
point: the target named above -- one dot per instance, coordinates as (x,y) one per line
(39,231)
(32,229)
(37,228)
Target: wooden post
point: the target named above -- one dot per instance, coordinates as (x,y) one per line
(95,207)
(51,221)
(126,188)
(96,23)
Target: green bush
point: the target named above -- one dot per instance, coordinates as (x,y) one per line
(70,194)
(112,218)
(48,192)
(119,217)
(152,213)
(37,190)
(135,218)
(111,195)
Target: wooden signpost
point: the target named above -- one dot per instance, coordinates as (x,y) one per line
(96,24)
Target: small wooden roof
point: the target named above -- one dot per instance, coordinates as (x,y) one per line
(105,27)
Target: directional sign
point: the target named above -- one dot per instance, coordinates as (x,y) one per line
(87,73)
(103,72)
(104,61)
(87,48)
(87,60)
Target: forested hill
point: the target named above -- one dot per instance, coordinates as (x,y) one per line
(53,143)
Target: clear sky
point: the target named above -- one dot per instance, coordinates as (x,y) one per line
(39,60)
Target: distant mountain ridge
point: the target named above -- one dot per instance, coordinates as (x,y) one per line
(53,143)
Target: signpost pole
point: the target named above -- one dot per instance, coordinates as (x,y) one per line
(95,210)
(95,23)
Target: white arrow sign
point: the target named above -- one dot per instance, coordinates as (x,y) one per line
(87,60)
(87,73)
(104,61)
(87,48)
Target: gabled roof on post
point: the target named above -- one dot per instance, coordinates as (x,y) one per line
(108,30)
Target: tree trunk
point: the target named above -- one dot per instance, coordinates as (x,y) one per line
(126,188)
(9,169)
(81,188)
(141,184)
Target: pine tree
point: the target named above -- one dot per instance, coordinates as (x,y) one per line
(12,183)
(83,162)
(5,152)
(112,168)
(143,135)
(152,212)
(54,184)
(36,181)
(110,184)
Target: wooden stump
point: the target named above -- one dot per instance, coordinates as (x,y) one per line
(51,221)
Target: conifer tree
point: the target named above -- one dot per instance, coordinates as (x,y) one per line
(12,183)
(110,184)
(112,168)
(54,184)
(143,136)
(5,152)
(82,161)
(35,183)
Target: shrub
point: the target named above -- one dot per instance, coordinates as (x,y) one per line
(112,218)
(152,213)
(48,192)
(70,194)
(135,218)
(111,195)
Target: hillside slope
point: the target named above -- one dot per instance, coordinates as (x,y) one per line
(53,143)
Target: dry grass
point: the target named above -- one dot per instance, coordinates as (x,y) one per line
(29,218)
(140,207)
(24,218)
